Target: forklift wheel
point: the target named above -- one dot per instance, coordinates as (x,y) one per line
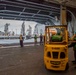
(67,67)
(46,68)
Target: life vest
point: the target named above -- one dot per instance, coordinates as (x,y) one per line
(35,37)
(21,38)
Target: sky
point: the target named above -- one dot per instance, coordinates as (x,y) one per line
(16,25)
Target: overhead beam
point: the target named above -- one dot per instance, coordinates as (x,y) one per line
(26,13)
(36,13)
(53,12)
(37,4)
(23,19)
(17,16)
(45,7)
(22,11)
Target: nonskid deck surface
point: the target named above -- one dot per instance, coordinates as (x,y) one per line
(28,61)
(15,46)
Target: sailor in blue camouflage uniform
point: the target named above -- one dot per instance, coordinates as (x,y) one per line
(73,44)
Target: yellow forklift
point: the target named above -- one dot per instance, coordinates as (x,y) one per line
(56,45)
(56,48)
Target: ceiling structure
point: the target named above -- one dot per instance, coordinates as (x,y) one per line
(70,3)
(29,10)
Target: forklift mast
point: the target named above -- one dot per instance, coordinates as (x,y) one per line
(63,17)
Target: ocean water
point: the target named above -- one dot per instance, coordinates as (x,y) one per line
(14,41)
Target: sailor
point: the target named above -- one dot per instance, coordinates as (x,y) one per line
(21,40)
(41,39)
(35,39)
(73,44)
